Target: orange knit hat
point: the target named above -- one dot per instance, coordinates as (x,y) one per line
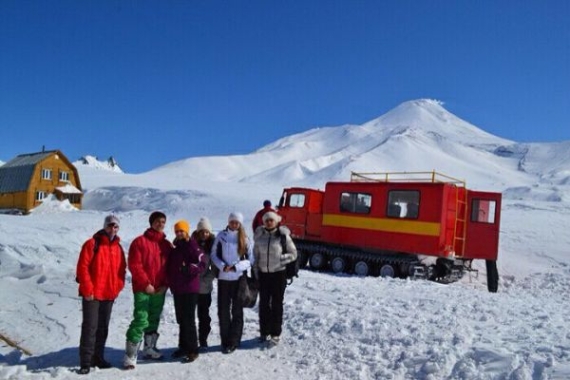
(182,225)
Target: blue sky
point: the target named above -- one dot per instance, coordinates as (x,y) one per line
(151,82)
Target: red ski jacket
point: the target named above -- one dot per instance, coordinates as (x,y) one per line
(148,254)
(101,271)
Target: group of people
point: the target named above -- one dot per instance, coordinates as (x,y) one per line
(187,266)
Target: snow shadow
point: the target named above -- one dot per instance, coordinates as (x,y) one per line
(246,344)
(249,344)
(67,357)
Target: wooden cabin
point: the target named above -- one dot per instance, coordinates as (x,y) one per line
(26,180)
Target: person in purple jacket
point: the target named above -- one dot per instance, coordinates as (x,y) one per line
(185,264)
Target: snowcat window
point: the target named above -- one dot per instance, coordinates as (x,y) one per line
(355,202)
(483,211)
(297,200)
(403,204)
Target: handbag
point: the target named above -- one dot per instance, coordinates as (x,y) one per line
(248,289)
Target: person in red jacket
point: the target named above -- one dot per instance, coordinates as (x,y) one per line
(101,272)
(258,219)
(148,255)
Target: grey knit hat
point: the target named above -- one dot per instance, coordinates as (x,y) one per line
(111,219)
(204,224)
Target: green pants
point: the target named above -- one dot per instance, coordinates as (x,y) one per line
(146,316)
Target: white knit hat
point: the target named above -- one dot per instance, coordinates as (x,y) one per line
(237,216)
(271,215)
(204,224)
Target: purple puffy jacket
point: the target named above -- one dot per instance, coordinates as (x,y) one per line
(185,263)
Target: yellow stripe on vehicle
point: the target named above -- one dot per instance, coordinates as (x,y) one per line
(383,224)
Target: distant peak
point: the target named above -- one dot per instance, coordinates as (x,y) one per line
(418,111)
(93,162)
(425,102)
(430,105)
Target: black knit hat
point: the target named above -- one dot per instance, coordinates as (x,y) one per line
(155,215)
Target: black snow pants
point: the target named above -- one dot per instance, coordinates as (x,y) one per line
(230,313)
(204,320)
(271,293)
(185,308)
(94,330)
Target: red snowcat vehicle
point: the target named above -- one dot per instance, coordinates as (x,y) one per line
(419,225)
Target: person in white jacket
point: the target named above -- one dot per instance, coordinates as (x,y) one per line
(232,253)
(272,251)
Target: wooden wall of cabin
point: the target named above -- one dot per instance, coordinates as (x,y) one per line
(56,165)
(14,200)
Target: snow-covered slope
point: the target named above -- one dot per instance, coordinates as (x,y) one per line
(336,326)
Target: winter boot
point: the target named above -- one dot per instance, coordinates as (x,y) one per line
(190,357)
(150,351)
(274,341)
(131,353)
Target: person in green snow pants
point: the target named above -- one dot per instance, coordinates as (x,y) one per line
(146,316)
(148,254)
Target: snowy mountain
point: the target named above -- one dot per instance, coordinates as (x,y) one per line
(92,162)
(418,135)
(335,326)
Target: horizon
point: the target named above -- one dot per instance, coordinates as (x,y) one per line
(150,83)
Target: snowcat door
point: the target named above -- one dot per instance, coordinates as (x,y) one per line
(302,212)
(294,211)
(482,238)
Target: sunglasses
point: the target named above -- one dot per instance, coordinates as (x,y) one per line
(113,225)
(179,231)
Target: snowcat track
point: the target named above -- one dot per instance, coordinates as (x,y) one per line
(416,270)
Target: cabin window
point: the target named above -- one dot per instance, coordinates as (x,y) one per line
(41,195)
(355,202)
(403,204)
(64,176)
(46,174)
(297,200)
(483,210)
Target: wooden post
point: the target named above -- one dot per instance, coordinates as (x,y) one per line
(11,343)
